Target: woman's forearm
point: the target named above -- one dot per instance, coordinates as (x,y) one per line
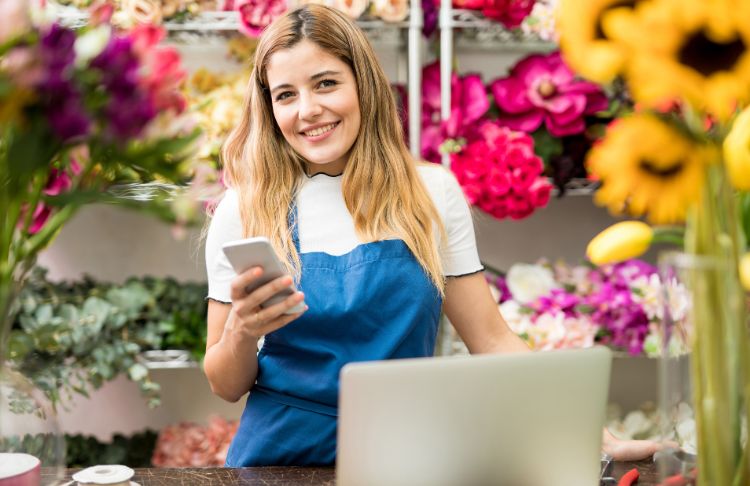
(231,364)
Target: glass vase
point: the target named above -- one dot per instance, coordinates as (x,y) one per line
(701,383)
(29,425)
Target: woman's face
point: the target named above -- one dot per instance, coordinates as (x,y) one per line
(315,104)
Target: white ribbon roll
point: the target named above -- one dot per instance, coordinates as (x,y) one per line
(111,475)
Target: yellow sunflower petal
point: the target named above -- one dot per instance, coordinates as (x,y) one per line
(584,43)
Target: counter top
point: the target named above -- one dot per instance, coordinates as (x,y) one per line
(319,476)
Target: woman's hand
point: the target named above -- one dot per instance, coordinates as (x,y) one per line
(247,316)
(628,450)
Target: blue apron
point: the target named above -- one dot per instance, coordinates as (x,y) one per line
(374,303)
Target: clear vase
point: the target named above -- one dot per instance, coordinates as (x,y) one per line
(29,425)
(701,383)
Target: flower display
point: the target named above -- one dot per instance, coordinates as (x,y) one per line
(191,445)
(501,174)
(557,306)
(543,89)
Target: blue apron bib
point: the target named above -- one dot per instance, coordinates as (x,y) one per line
(373,303)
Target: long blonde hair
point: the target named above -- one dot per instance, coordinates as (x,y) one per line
(381,187)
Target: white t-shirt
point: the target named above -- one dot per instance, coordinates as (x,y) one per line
(325,225)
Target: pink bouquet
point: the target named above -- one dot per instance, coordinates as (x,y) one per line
(191,445)
(501,174)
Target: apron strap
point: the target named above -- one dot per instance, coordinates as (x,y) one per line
(296,402)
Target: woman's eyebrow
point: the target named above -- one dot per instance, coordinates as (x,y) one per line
(319,75)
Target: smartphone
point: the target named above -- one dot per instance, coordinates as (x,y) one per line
(258,252)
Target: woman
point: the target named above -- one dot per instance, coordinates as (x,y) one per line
(377,243)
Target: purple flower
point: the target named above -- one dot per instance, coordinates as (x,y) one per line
(130,108)
(558,301)
(128,115)
(624,321)
(543,89)
(68,120)
(119,65)
(57,47)
(430,11)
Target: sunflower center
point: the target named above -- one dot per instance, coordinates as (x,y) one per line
(599,31)
(547,89)
(658,170)
(708,57)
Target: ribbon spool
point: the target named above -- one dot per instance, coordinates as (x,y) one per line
(18,469)
(111,475)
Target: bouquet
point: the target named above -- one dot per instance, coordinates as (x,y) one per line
(86,116)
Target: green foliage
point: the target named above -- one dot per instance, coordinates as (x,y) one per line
(135,451)
(73,337)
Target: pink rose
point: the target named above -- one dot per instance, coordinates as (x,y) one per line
(256,15)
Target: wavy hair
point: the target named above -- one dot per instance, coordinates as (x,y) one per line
(381,187)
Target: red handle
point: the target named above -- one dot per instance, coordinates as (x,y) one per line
(629,478)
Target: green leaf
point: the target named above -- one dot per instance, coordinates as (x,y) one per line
(137,372)
(546,146)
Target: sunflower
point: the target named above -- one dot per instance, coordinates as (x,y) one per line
(585,44)
(693,50)
(648,167)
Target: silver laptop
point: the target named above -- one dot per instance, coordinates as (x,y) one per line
(531,419)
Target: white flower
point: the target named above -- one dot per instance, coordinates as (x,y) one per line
(529,282)
(518,322)
(91,44)
(352,8)
(648,292)
(391,10)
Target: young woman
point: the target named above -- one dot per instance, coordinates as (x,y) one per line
(378,243)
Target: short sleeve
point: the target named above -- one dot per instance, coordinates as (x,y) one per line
(459,252)
(460,255)
(225,226)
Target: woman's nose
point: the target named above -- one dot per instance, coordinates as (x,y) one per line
(309,107)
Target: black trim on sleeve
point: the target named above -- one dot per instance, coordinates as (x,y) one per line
(465,274)
(217,300)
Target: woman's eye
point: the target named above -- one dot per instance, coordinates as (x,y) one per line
(283,96)
(327,83)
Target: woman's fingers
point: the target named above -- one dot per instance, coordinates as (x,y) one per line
(280,308)
(242,281)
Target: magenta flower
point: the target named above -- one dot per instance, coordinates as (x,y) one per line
(501,174)
(543,89)
(469,103)
(510,12)
(256,15)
